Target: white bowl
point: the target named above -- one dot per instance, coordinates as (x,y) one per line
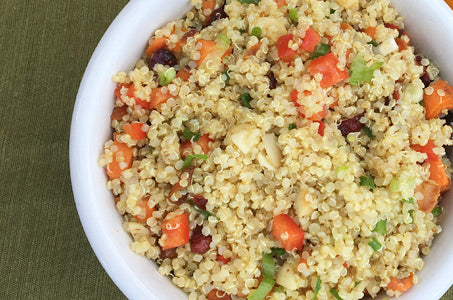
(430,25)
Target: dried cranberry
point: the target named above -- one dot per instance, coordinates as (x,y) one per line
(162,56)
(425,79)
(168,253)
(217,14)
(386,101)
(200,201)
(351,125)
(418,60)
(180,201)
(396,95)
(199,243)
(272,80)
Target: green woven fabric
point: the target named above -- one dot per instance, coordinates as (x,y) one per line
(45,46)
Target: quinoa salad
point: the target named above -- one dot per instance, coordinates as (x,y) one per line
(282,149)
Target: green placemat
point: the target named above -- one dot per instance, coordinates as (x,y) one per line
(45,46)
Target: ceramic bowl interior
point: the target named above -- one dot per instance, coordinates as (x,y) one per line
(429,26)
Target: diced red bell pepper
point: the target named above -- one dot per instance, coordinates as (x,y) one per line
(121,154)
(143,203)
(321,127)
(157,97)
(310,40)
(438,174)
(327,66)
(285,53)
(135,130)
(286,231)
(177,231)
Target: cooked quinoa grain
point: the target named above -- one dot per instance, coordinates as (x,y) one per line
(313,150)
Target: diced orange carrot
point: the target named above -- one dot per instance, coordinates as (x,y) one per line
(402,45)
(438,174)
(216,294)
(156,44)
(286,231)
(327,66)
(400,285)
(252,51)
(157,97)
(222,259)
(147,211)
(204,141)
(184,74)
(428,150)
(228,52)
(280,3)
(118,113)
(122,160)
(177,231)
(118,89)
(450,3)
(346,26)
(439,100)
(334,104)
(207,47)
(208,7)
(311,39)
(431,193)
(285,53)
(135,130)
(370,31)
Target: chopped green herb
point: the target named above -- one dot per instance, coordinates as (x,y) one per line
(227,75)
(409,200)
(321,50)
(167,76)
(292,126)
(367,181)
(277,251)
(318,287)
(256,31)
(437,211)
(368,132)
(335,294)
(190,135)
(411,213)
(292,14)
(242,30)
(249,1)
(205,213)
(375,244)
(190,157)
(357,283)
(266,285)
(223,40)
(381,227)
(332,11)
(279,289)
(359,71)
(422,103)
(373,42)
(245,100)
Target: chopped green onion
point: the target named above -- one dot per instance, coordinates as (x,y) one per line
(292,14)
(409,200)
(266,285)
(341,170)
(359,72)
(279,289)
(318,287)
(190,157)
(256,31)
(277,251)
(167,76)
(190,135)
(375,244)
(373,42)
(292,126)
(437,211)
(411,213)
(422,103)
(335,294)
(227,75)
(357,283)
(381,227)
(249,1)
(245,100)
(332,11)
(223,41)
(368,132)
(321,50)
(367,181)
(404,183)
(205,213)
